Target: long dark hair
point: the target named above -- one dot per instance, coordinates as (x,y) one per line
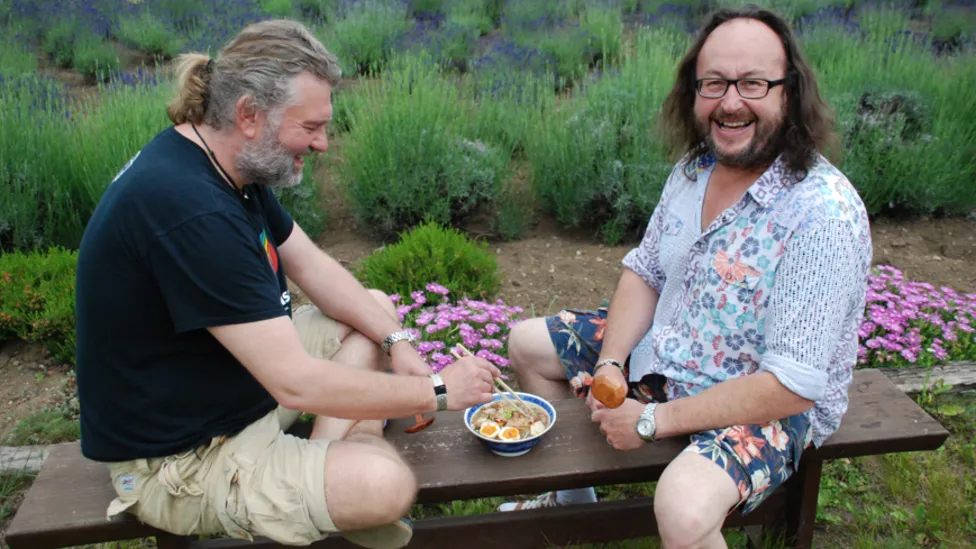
(809,121)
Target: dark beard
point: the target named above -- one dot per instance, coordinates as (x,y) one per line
(762,150)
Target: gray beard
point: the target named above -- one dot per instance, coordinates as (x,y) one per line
(268,163)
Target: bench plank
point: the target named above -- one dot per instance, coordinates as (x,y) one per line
(605,521)
(882,419)
(66,505)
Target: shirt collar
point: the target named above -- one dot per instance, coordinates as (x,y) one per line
(777,178)
(770,184)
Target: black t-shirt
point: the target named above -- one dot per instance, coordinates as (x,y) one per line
(170,250)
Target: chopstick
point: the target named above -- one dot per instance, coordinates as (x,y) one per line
(526,409)
(509,401)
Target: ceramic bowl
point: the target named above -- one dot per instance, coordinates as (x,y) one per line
(516,447)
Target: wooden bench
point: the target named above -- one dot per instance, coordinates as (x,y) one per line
(66,504)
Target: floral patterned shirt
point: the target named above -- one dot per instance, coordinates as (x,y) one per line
(776,283)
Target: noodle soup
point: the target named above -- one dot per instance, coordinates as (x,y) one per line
(500,420)
(506,432)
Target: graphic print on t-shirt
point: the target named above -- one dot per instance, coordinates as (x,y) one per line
(269,249)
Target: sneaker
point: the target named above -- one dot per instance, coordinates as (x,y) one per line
(387,536)
(541,501)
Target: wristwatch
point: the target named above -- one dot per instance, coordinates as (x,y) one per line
(395,337)
(646,427)
(440,391)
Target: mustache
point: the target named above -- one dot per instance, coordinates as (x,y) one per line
(732,118)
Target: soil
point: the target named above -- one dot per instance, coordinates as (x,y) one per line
(29,381)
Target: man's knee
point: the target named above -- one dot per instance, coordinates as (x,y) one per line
(381,489)
(394,487)
(691,501)
(385,301)
(526,344)
(682,524)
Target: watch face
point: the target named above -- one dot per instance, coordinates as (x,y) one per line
(643,427)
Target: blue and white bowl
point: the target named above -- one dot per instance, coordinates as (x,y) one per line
(517,447)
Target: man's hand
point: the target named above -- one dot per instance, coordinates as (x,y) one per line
(469,381)
(406,360)
(619,425)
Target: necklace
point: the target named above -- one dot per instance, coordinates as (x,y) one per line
(213,157)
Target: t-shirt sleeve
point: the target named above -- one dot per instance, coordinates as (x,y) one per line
(280,221)
(211,271)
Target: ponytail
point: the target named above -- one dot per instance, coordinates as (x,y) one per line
(193,88)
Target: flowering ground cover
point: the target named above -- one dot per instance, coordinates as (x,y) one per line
(914,323)
(440,325)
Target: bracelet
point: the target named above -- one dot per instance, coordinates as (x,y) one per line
(440,391)
(395,337)
(607,361)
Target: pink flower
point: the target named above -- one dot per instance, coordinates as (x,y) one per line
(437,289)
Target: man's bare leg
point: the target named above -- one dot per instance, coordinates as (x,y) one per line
(368,486)
(692,499)
(540,372)
(358,350)
(536,364)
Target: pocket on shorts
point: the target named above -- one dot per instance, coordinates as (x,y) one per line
(229,503)
(277,508)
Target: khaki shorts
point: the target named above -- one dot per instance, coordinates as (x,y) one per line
(259,482)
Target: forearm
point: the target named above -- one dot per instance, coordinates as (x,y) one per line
(630,316)
(748,400)
(340,296)
(342,391)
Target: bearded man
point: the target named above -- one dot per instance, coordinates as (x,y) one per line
(735,320)
(190,364)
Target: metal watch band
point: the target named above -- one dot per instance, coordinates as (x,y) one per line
(402,335)
(647,417)
(607,361)
(440,391)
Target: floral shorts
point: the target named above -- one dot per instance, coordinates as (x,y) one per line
(759,458)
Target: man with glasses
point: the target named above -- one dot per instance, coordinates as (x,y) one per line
(735,320)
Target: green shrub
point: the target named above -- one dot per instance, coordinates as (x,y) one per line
(321,10)
(908,119)
(278,8)
(426,8)
(15,58)
(37,300)
(470,14)
(604,28)
(430,253)
(38,205)
(365,37)
(410,155)
(95,58)
(597,162)
(58,43)
(148,33)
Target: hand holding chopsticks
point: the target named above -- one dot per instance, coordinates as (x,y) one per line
(522,406)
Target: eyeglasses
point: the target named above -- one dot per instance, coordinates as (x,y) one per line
(749,88)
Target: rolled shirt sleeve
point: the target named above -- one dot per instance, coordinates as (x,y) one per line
(810,304)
